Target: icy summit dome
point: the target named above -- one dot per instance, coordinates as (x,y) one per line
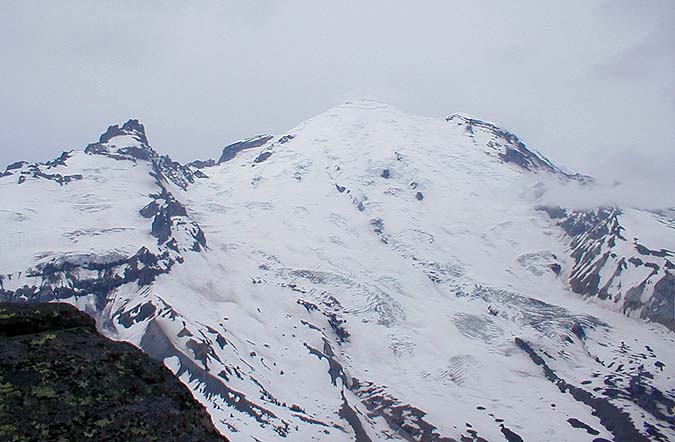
(382,127)
(368,105)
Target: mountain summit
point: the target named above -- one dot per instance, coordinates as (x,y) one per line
(367,275)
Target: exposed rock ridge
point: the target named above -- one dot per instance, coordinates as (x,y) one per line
(511,149)
(603,255)
(233,149)
(25,170)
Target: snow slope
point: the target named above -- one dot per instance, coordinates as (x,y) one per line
(368,275)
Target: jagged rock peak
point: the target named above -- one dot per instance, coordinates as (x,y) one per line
(126,142)
(132,127)
(130,143)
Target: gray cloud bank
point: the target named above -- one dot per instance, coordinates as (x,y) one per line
(589,83)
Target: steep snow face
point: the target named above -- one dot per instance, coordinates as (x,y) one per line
(368,275)
(97,213)
(117,222)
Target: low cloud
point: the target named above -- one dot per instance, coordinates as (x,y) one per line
(644,181)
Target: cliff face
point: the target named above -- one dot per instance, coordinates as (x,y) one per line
(60,380)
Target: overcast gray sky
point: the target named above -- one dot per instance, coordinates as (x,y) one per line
(589,83)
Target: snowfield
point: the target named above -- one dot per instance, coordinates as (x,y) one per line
(368,275)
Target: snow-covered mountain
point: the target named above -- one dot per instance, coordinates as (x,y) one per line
(368,275)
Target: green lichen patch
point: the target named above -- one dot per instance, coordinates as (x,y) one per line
(44,338)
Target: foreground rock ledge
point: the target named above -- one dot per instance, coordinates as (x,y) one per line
(62,381)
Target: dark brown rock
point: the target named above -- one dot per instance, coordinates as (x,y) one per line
(61,380)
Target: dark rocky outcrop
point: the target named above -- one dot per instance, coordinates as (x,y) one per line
(26,170)
(169,216)
(61,380)
(131,127)
(285,139)
(404,419)
(233,149)
(62,279)
(263,157)
(202,164)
